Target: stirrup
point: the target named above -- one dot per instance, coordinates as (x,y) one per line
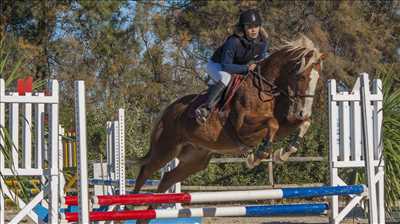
(202,114)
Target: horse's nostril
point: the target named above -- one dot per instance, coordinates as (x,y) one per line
(301,113)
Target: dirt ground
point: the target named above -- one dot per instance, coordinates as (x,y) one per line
(262,220)
(276,220)
(258,220)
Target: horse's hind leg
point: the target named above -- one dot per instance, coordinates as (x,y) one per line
(160,156)
(191,160)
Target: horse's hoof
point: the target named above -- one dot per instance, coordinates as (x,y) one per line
(201,116)
(280,156)
(250,161)
(200,120)
(277,158)
(253,161)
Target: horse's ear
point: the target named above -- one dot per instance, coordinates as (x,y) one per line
(323,56)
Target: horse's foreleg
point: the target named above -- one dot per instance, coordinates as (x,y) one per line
(265,149)
(298,138)
(284,154)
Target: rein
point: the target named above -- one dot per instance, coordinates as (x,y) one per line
(274,90)
(261,85)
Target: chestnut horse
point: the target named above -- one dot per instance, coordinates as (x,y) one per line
(271,103)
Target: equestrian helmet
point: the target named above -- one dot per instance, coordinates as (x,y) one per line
(250,17)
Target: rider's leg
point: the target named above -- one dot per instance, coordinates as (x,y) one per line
(221,80)
(215,71)
(214,92)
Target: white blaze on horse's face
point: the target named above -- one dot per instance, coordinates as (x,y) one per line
(312,86)
(301,107)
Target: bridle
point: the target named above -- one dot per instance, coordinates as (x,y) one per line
(274,90)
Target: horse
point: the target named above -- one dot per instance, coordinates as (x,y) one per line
(271,103)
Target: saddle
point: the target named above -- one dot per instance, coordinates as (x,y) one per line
(225,102)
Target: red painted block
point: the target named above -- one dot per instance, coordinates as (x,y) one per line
(109,216)
(141,199)
(28,84)
(20,87)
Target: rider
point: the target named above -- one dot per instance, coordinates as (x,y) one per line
(237,55)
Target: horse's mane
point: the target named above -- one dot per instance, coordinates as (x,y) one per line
(300,48)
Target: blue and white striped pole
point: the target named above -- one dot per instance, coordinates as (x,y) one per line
(226,196)
(238,211)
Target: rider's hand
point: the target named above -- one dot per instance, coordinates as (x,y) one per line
(252,67)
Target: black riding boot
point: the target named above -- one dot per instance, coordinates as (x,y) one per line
(213,94)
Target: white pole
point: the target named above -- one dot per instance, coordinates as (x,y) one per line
(2,161)
(14,127)
(369,149)
(61,162)
(27,134)
(378,147)
(39,138)
(121,137)
(53,148)
(333,148)
(116,149)
(80,119)
(97,175)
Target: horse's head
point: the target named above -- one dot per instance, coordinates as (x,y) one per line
(298,67)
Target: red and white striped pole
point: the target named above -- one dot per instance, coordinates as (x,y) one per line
(226,196)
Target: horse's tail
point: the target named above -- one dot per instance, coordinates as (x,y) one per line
(155,134)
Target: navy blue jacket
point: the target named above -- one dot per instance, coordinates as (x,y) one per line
(238,51)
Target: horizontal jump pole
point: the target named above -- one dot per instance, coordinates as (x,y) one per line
(244,211)
(116,182)
(224,196)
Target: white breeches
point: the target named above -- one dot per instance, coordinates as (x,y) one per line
(214,70)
